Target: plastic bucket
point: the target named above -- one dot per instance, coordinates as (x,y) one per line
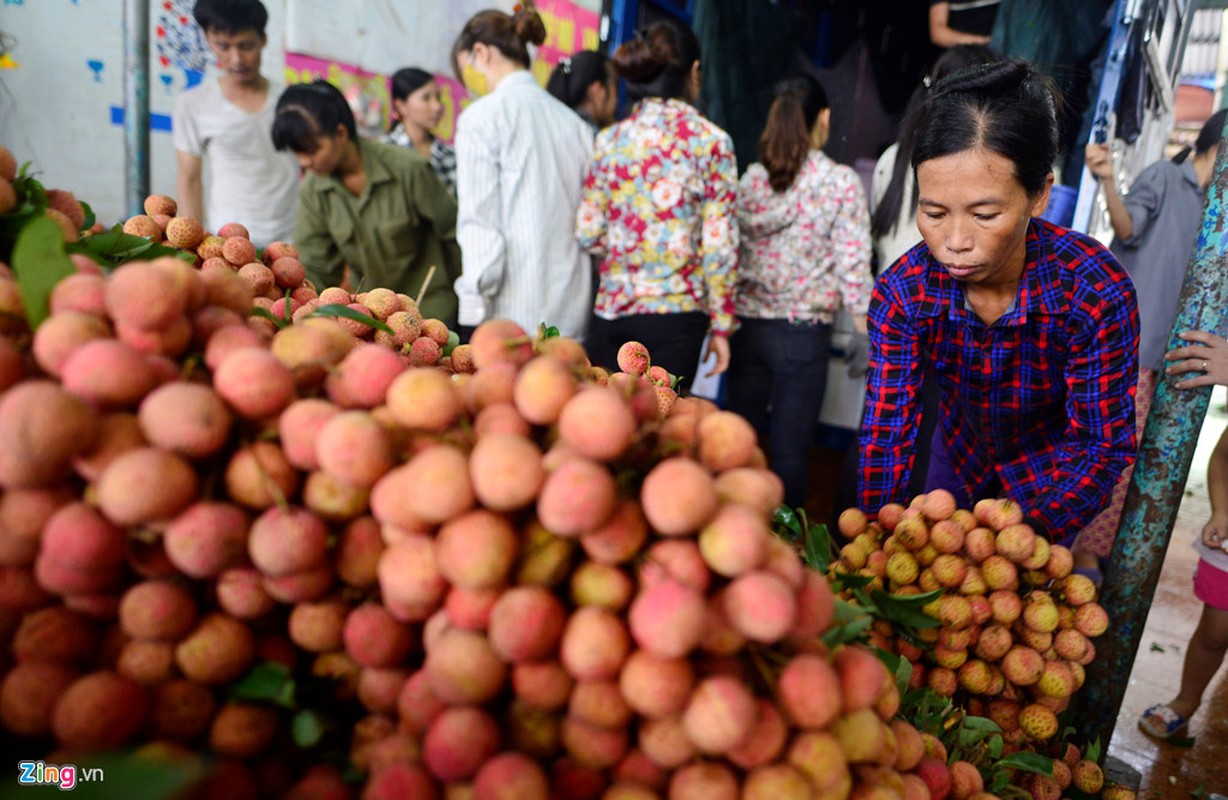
(1061,208)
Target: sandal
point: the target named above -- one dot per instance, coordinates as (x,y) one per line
(1162,722)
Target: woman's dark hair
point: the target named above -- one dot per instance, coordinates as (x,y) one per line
(231,16)
(509,34)
(1208,136)
(954,59)
(785,142)
(404,83)
(307,111)
(658,61)
(1009,108)
(570,80)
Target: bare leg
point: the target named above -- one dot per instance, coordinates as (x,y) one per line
(1203,657)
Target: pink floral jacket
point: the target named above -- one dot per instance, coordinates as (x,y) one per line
(805,251)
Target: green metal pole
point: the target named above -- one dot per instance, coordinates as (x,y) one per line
(1155,492)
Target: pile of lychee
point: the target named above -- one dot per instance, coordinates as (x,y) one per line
(63,208)
(1017,623)
(529,580)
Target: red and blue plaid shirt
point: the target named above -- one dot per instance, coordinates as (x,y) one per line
(1042,400)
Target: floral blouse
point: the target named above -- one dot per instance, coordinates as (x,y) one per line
(658,207)
(806,250)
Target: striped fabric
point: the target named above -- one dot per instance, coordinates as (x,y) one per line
(1043,399)
(521,156)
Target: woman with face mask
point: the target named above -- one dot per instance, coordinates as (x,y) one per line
(1030,330)
(416,112)
(520,161)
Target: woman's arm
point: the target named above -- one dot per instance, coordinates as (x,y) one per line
(316,248)
(941,32)
(893,409)
(1099,160)
(719,244)
(1099,441)
(479,223)
(591,214)
(1215,532)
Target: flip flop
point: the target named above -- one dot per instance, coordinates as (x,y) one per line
(1162,722)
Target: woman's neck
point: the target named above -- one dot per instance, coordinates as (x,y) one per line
(500,69)
(1204,167)
(350,170)
(419,136)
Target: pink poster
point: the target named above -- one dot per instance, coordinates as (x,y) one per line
(569,29)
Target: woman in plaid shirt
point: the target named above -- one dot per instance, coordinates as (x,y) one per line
(1031,330)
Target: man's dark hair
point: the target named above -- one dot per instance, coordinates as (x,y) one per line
(231,16)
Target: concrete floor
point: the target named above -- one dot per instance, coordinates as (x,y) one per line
(1167,771)
(1170,771)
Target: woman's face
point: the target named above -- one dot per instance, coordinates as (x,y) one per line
(325,159)
(973,213)
(422,108)
(603,98)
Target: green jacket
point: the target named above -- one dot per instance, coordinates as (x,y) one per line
(403,223)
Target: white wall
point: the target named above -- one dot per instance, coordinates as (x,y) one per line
(56,103)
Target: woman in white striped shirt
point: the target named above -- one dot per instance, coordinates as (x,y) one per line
(521,156)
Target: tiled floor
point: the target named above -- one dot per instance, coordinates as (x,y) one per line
(1168,772)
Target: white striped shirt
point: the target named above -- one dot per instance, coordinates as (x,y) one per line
(521,156)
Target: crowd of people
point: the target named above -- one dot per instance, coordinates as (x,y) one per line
(1035,348)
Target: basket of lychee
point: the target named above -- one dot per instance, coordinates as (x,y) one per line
(1016,624)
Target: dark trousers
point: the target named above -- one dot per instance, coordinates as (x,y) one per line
(777,376)
(673,341)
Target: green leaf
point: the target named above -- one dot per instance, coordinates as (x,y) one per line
(981,724)
(40,263)
(785,523)
(264,313)
(995,747)
(848,581)
(114,247)
(307,728)
(1026,761)
(916,600)
(550,332)
(90,217)
(901,613)
(818,546)
(1092,753)
(141,778)
(453,343)
(338,310)
(268,682)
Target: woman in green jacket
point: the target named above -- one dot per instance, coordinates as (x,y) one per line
(375,208)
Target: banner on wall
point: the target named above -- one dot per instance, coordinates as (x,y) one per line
(569,29)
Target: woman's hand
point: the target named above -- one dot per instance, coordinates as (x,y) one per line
(1215,532)
(718,346)
(1099,160)
(1207,359)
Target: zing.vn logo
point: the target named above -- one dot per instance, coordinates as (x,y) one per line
(36,773)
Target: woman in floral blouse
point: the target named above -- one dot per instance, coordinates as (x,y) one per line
(805,254)
(417,111)
(658,208)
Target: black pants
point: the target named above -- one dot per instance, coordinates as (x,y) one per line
(673,341)
(777,376)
